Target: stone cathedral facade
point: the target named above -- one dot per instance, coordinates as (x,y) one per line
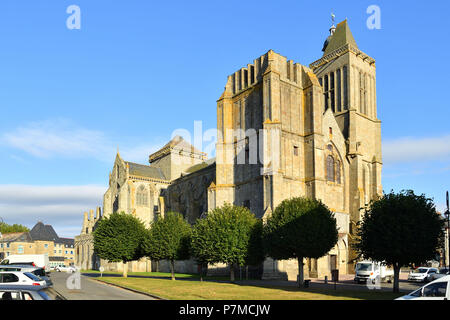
(284,130)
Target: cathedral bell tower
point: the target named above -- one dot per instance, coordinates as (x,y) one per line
(348,80)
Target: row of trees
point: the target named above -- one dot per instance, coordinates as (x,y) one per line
(298,228)
(398,229)
(7,228)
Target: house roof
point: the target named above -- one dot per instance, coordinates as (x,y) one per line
(43,232)
(136,169)
(340,37)
(66,241)
(15,236)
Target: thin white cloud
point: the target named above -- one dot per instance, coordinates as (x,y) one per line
(60,206)
(60,138)
(409,149)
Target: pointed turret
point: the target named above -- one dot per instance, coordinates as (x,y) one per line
(339,36)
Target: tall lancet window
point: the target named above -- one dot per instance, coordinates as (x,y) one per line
(141,196)
(362,93)
(325,95)
(338,91)
(345,80)
(332,97)
(338,171)
(330,169)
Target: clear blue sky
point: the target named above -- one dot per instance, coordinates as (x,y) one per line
(137,70)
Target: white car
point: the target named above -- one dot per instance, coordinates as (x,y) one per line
(422,274)
(20,278)
(69,269)
(436,290)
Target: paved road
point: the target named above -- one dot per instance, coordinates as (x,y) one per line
(346,283)
(92,290)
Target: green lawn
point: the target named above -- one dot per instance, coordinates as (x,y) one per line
(159,275)
(209,290)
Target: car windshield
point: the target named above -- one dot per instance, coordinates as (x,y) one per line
(421,270)
(39,272)
(364,267)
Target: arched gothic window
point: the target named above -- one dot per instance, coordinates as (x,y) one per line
(330,169)
(338,171)
(141,196)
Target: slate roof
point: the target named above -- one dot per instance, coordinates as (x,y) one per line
(200,166)
(43,232)
(66,241)
(141,170)
(15,236)
(341,37)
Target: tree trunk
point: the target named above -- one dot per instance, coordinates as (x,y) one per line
(125,269)
(396,277)
(172,268)
(201,271)
(231,273)
(300,272)
(157,265)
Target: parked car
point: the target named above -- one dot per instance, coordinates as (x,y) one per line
(422,274)
(371,271)
(69,269)
(39,272)
(39,260)
(442,273)
(20,278)
(15,292)
(436,290)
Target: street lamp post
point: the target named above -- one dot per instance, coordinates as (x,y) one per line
(447,228)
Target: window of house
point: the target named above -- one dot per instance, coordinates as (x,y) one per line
(20,249)
(8,245)
(295,151)
(46,246)
(330,169)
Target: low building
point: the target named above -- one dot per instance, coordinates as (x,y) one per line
(41,239)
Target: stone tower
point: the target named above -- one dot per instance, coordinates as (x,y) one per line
(348,78)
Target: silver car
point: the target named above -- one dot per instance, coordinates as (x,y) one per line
(38,272)
(14,292)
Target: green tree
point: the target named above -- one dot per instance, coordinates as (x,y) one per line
(118,238)
(6,228)
(230,235)
(400,229)
(300,228)
(169,239)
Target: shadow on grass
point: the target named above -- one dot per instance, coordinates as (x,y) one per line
(341,291)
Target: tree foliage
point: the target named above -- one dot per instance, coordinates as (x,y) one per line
(119,237)
(168,239)
(299,228)
(230,235)
(400,229)
(7,228)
